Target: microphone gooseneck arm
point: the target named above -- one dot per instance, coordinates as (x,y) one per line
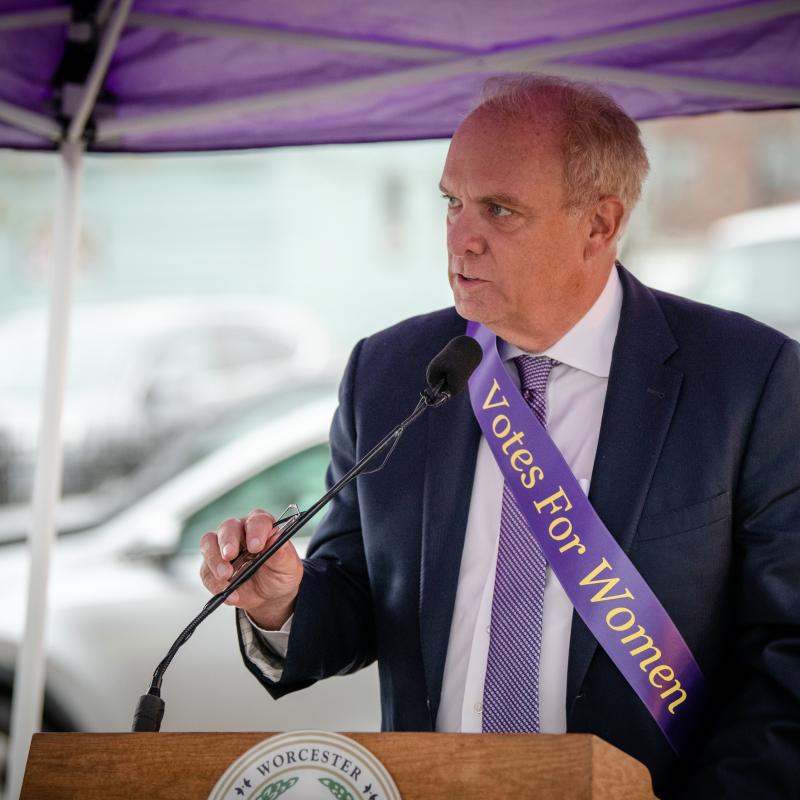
(451,368)
(150,709)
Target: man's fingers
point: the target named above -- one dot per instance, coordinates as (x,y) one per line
(212,558)
(258,527)
(230,534)
(234,536)
(211,578)
(215,585)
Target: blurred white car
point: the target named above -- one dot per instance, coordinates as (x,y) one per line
(141,371)
(77,512)
(121,593)
(752,265)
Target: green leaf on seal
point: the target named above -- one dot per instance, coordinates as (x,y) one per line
(276,789)
(336,789)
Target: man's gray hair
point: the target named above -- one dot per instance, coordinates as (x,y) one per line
(600,144)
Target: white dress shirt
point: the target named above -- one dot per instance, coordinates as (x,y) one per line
(576,392)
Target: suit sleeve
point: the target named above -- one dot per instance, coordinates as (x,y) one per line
(332,630)
(752,747)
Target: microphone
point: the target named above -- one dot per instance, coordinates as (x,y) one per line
(447,375)
(449,371)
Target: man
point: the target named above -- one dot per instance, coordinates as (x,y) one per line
(680,420)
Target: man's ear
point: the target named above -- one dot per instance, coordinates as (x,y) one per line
(605,222)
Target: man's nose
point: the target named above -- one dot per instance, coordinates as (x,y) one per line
(464,235)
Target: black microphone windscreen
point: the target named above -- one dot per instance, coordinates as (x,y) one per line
(454,364)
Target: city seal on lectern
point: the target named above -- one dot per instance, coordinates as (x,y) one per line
(306,765)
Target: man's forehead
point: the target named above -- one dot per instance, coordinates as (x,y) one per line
(539,129)
(491,153)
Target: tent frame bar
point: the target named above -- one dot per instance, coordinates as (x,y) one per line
(687,84)
(172,22)
(110,130)
(39,124)
(41,18)
(656,31)
(30,121)
(98,70)
(640,34)
(530,56)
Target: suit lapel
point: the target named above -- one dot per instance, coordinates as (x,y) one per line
(453,437)
(640,401)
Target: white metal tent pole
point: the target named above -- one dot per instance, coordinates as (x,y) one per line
(26,708)
(29,683)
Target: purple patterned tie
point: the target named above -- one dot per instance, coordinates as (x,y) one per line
(511,688)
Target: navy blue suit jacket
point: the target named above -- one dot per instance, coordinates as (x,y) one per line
(697,475)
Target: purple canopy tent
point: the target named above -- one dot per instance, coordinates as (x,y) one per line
(193,75)
(166,75)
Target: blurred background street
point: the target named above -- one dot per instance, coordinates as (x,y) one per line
(195,269)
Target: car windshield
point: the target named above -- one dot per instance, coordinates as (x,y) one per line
(761,279)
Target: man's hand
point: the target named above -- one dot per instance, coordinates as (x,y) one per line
(269,596)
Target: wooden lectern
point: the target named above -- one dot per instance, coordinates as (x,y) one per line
(425,766)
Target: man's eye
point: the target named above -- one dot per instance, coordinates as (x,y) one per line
(452,202)
(498,211)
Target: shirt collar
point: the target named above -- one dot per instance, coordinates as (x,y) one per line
(589,343)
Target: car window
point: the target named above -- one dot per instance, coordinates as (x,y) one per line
(300,479)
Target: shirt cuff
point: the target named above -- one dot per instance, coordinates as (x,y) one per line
(265,649)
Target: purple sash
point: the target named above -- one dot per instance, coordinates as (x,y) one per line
(607,591)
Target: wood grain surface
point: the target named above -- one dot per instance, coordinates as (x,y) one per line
(425,766)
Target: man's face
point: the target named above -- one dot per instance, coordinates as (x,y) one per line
(515,255)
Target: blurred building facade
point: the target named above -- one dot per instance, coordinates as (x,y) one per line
(705,168)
